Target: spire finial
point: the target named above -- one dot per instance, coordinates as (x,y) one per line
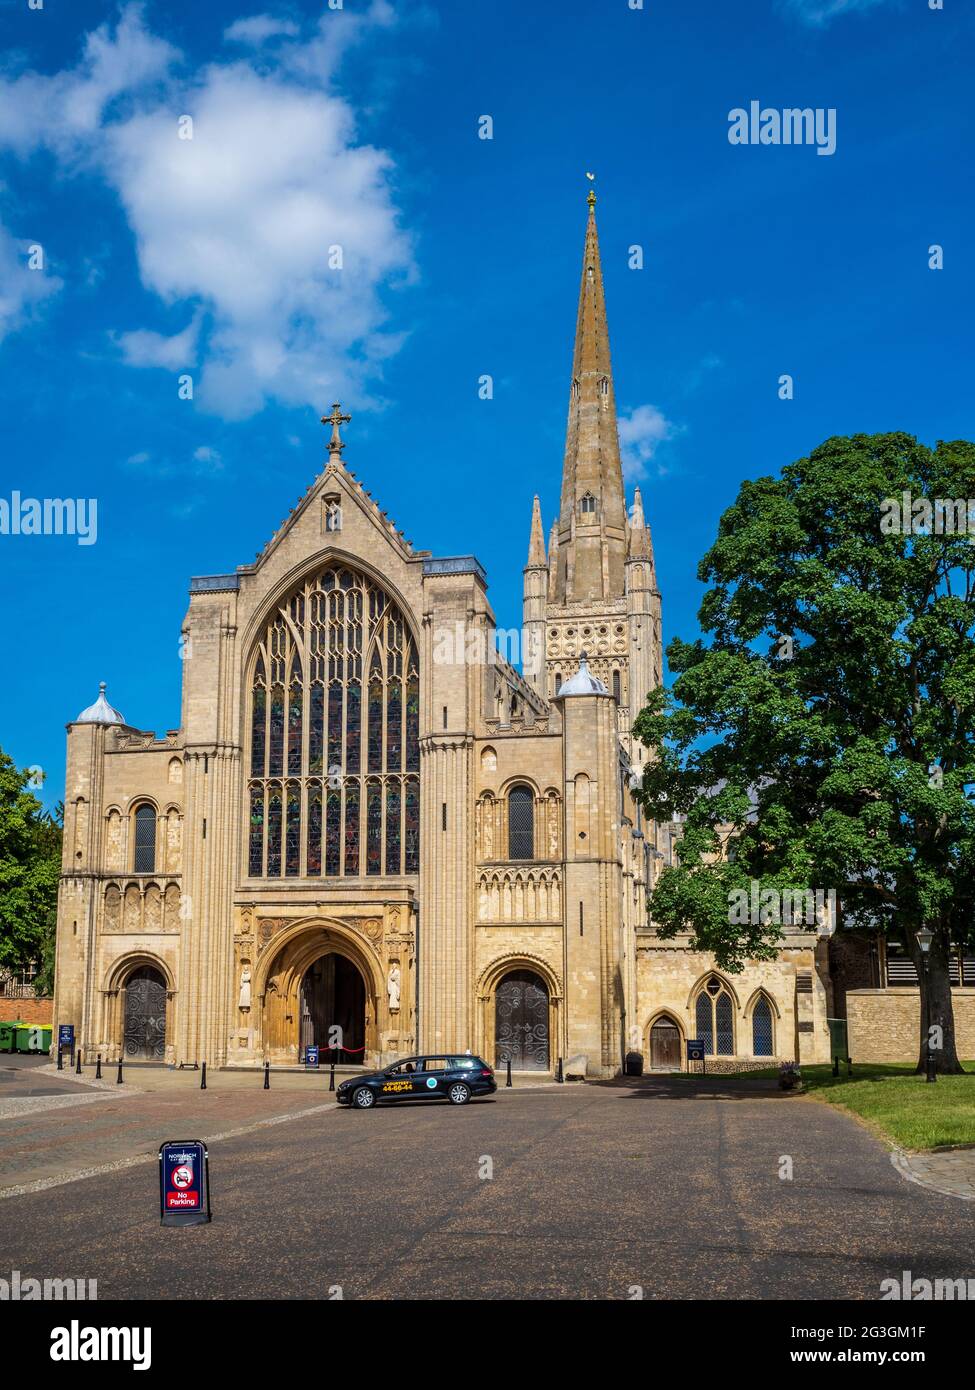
(336,444)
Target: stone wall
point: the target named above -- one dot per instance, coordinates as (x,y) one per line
(883,1024)
(36,1011)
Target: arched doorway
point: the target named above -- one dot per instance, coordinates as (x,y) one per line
(665,1045)
(521,1022)
(144,1033)
(333,996)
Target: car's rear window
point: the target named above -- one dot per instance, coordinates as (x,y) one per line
(466,1062)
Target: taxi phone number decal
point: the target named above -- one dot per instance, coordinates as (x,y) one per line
(398,1086)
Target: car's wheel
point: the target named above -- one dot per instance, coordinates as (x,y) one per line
(363,1098)
(458,1093)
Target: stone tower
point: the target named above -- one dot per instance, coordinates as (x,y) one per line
(596,591)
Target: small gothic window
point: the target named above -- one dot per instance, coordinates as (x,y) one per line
(521,823)
(762,1029)
(588,503)
(604,385)
(616,687)
(145,840)
(714,1016)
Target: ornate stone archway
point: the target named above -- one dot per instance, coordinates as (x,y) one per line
(487,989)
(281,971)
(112,1044)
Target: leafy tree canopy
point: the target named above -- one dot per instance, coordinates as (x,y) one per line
(824,731)
(30,864)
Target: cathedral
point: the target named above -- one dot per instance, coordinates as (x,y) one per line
(373,835)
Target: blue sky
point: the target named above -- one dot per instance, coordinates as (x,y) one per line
(359,127)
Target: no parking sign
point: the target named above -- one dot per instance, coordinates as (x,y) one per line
(184,1183)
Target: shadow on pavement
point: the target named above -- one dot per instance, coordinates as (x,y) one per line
(684,1087)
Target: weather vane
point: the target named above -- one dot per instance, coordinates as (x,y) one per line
(591,200)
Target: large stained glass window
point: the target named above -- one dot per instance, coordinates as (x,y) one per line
(334,728)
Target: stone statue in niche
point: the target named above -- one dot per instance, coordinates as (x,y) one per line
(244,1002)
(393,988)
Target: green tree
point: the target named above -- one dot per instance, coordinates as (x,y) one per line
(823,733)
(30,864)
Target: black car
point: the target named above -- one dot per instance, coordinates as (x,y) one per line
(450,1078)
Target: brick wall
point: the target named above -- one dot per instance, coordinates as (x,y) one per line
(37,1011)
(883,1024)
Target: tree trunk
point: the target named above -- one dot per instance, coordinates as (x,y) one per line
(936,1029)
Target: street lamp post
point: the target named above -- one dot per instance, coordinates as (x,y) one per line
(924,938)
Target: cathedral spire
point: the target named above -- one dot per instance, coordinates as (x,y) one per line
(592,518)
(536,543)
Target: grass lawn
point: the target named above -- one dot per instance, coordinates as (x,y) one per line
(901,1106)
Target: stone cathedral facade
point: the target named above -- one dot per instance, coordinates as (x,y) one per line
(371,834)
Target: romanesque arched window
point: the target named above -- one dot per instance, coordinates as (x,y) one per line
(521,823)
(714,1019)
(334,723)
(145,840)
(762,1028)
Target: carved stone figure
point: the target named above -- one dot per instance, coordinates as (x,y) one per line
(393,989)
(244,1002)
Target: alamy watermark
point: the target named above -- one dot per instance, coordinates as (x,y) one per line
(908,515)
(792,125)
(790,907)
(927,1290)
(50,516)
(18,1289)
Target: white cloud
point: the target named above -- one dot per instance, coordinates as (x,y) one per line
(243,225)
(819,13)
(212,458)
(258,28)
(641,431)
(143,348)
(22,290)
(66,110)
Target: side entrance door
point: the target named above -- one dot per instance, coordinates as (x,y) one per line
(665,1046)
(521,1022)
(145,1015)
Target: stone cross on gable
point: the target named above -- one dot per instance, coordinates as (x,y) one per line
(336,444)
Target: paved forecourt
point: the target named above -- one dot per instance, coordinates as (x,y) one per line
(669,1190)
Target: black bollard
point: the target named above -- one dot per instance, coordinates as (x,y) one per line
(98,1068)
(203,1077)
(836,1066)
(508,1065)
(560,1078)
(118,1079)
(331,1077)
(849,1066)
(60,1059)
(267,1076)
(77,1061)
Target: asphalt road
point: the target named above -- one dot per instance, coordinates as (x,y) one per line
(596,1191)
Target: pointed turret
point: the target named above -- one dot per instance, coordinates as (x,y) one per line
(640,546)
(534,598)
(536,543)
(592,519)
